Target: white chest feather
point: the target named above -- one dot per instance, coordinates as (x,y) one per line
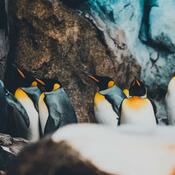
(170,105)
(43,112)
(137,112)
(104,113)
(32,113)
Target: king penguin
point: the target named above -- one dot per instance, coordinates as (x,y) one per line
(28,96)
(137,109)
(169,100)
(13,118)
(55,108)
(105,109)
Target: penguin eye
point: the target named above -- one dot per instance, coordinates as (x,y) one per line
(110,84)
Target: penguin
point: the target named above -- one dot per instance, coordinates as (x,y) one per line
(138,109)
(91,149)
(28,96)
(169,101)
(106,112)
(55,108)
(14,119)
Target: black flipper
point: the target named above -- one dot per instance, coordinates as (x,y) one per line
(53,123)
(120,111)
(14,103)
(155,109)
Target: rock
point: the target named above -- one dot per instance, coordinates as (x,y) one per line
(54,41)
(5,159)
(9,148)
(162,24)
(3,37)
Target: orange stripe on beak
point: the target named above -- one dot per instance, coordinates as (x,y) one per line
(138,82)
(21,73)
(93,78)
(40,81)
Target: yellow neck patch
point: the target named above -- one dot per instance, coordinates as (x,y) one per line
(42,95)
(20,94)
(98,98)
(135,102)
(126,92)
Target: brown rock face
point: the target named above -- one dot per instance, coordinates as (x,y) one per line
(54,41)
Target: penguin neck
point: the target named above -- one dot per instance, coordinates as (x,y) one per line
(138,97)
(98,98)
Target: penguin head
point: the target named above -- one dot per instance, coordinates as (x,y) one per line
(48,85)
(137,88)
(103,82)
(26,78)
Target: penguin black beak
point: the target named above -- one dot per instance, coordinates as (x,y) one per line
(19,71)
(94,78)
(41,85)
(40,82)
(136,82)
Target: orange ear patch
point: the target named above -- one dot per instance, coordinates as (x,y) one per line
(56,86)
(98,98)
(135,102)
(34,84)
(111,84)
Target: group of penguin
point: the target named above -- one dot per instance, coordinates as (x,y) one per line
(36,109)
(40,107)
(114,106)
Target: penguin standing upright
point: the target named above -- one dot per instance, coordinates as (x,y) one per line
(28,96)
(170,101)
(55,108)
(138,109)
(13,118)
(106,112)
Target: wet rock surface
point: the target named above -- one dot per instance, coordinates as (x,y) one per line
(9,149)
(53,40)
